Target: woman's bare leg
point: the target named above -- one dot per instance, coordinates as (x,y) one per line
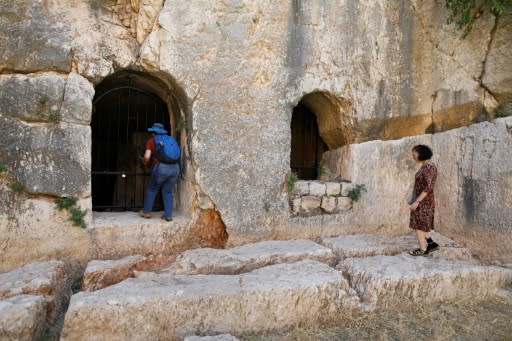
(422,239)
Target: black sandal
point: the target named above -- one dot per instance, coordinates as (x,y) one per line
(418,252)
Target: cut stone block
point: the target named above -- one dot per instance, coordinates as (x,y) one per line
(345,188)
(328,204)
(249,257)
(302,187)
(404,278)
(22,318)
(317,189)
(222,337)
(47,279)
(365,245)
(100,274)
(344,204)
(274,297)
(333,188)
(310,203)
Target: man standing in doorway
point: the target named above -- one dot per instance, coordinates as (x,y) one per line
(164,153)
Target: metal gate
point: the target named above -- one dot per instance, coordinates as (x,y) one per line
(307,146)
(119,125)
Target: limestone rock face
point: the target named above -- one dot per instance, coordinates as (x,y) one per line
(101,274)
(29,39)
(382,279)
(249,257)
(22,318)
(273,297)
(46,279)
(49,158)
(47,98)
(498,69)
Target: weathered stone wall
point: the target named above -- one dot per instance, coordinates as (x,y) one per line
(473,190)
(384,70)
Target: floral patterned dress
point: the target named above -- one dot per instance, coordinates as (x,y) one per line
(425,179)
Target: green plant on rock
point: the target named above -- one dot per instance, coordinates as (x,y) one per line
(292,180)
(76,215)
(356,191)
(17,187)
(182,124)
(3,167)
(266,206)
(464,13)
(54,116)
(43,99)
(320,169)
(498,112)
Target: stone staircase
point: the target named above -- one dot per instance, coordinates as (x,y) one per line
(259,287)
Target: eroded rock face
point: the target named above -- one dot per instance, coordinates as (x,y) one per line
(249,257)
(269,298)
(22,318)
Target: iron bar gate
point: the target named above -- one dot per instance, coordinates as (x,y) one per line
(119,125)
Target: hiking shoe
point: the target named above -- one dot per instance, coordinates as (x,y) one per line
(144,214)
(418,252)
(166,218)
(431,247)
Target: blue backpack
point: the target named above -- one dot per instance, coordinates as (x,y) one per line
(168,150)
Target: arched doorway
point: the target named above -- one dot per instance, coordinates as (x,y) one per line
(123,109)
(307,146)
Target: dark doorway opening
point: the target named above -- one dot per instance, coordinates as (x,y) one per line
(307,146)
(122,112)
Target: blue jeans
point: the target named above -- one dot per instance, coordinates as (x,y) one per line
(163,176)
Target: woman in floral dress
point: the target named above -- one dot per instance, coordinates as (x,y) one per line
(423,207)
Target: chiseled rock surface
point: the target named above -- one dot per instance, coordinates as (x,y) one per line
(46,279)
(249,257)
(22,318)
(103,273)
(404,278)
(221,337)
(273,297)
(365,245)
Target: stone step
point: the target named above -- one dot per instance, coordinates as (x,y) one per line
(48,279)
(171,307)
(366,245)
(119,235)
(249,257)
(222,337)
(22,317)
(406,279)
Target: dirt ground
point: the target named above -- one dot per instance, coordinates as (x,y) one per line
(465,320)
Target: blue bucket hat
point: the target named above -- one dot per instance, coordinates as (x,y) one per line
(157,128)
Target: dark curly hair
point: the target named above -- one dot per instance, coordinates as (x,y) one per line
(424,152)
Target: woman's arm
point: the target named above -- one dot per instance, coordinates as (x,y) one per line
(147,156)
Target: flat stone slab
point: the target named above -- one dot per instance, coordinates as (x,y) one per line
(407,279)
(249,257)
(22,317)
(366,245)
(120,235)
(171,307)
(48,279)
(222,337)
(103,273)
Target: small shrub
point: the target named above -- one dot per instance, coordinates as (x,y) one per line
(355,193)
(3,167)
(54,116)
(498,112)
(65,203)
(320,170)
(43,99)
(292,179)
(266,206)
(182,124)
(76,215)
(17,187)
